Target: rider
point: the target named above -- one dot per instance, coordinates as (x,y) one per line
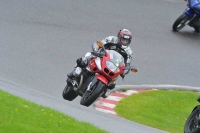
(119,43)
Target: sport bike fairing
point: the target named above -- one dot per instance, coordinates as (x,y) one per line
(110,65)
(195,5)
(116,60)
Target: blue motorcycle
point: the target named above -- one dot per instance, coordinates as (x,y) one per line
(190,17)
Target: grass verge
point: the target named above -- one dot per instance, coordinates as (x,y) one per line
(20,116)
(161,109)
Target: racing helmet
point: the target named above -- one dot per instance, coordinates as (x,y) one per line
(125,37)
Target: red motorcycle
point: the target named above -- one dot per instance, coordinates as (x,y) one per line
(101,71)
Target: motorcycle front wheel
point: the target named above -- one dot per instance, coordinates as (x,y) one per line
(91,95)
(192,124)
(180,22)
(69,93)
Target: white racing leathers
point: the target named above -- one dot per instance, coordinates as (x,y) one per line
(111,43)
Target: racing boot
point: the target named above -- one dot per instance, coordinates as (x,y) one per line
(70,75)
(106,94)
(109,88)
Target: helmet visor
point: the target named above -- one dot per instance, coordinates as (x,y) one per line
(125,42)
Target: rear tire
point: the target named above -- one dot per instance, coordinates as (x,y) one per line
(193,122)
(90,96)
(180,22)
(69,93)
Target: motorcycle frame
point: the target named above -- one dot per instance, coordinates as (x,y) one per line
(80,86)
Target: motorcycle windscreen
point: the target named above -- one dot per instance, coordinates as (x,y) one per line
(116,60)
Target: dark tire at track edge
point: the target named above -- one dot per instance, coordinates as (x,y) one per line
(89,97)
(180,22)
(192,122)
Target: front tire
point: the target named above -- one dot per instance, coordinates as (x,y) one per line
(69,93)
(192,124)
(91,95)
(180,22)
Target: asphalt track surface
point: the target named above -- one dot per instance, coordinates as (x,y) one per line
(40,41)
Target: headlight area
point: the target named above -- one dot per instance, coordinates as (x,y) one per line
(112,67)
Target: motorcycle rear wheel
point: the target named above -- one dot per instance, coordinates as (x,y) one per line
(91,95)
(192,125)
(180,22)
(69,93)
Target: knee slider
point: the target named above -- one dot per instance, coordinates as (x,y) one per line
(77,71)
(82,62)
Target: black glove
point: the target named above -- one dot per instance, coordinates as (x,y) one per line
(122,75)
(126,71)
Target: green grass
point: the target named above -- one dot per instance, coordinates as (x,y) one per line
(20,116)
(161,109)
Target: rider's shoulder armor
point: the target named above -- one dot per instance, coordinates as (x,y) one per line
(129,55)
(128,51)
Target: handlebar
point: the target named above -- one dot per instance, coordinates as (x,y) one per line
(132,68)
(98,54)
(104,50)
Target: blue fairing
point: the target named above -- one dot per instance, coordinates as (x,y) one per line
(189,12)
(194,6)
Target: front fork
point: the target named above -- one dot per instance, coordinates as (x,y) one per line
(191,14)
(96,79)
